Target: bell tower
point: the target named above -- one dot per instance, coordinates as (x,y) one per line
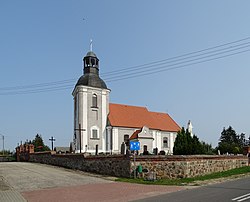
(91,108)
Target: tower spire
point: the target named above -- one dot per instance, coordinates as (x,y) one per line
(91,45)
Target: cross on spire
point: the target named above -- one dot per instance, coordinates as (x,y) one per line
(91,45)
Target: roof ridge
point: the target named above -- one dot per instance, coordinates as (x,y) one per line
(126,105)
(159,112)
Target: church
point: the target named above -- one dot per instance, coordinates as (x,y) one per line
(99,124)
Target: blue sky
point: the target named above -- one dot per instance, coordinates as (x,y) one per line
(45,41)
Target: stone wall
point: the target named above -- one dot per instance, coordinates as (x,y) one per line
(122,166)
(188,166)
(117,165)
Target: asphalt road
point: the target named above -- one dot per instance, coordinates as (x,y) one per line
(236,190)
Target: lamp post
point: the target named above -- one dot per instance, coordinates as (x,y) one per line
(3,142)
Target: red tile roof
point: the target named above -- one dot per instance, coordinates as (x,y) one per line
(135,134)
(137,117)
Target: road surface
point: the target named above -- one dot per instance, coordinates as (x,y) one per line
(234,191)
(38,182)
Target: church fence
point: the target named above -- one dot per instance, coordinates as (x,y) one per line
(162,166)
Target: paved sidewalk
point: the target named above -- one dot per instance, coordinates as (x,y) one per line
(7,194)
(104,192)
(11,196)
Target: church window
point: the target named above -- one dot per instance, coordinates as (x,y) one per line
(93,62)
(165,142)
(95,134)
(145,150)
(88,62)
(94,100)
(126,140)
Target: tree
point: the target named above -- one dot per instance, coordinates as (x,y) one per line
(185,144)
(181,146)
(230,142)
(207,148)
(39,145)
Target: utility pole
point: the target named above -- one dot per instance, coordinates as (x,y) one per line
(80,136)
(52,140)
(3,143)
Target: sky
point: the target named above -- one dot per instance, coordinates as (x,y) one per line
(42,44)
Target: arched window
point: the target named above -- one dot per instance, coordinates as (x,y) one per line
(165,142)
(93,62)
(94,132)
(87,62)
(126,140)
(94,100)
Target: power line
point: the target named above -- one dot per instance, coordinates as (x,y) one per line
(180,56)
(54,83)
(37,90)
(177,67)
(187,61)
(177,62)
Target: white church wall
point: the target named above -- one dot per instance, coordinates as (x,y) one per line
(158,140)
(80,93)
(120,135)
(154,138)
(115,143)
(146,142)
(91,117)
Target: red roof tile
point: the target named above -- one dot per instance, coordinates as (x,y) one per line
(135,134)
(137,117)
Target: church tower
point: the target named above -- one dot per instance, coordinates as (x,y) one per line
(91,108)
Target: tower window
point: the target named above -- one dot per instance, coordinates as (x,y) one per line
(95,134)
(165,142)
(93,62)
(87,62)
(94,100)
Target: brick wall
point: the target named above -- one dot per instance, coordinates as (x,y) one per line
(163,166)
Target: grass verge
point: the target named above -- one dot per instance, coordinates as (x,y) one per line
(190,181)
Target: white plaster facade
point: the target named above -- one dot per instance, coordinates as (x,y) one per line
(89,118)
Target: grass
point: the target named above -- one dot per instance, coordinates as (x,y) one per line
(193,180)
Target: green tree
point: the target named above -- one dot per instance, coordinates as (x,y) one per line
(230,142)
(207,148)
(181,143)
(39,144)
(185,144)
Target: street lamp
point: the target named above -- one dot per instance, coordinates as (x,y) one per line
(3,142)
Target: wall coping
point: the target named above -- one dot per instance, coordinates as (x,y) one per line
(82,155)
(188,157)
(146,157)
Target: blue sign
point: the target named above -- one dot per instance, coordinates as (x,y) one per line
(134,146)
